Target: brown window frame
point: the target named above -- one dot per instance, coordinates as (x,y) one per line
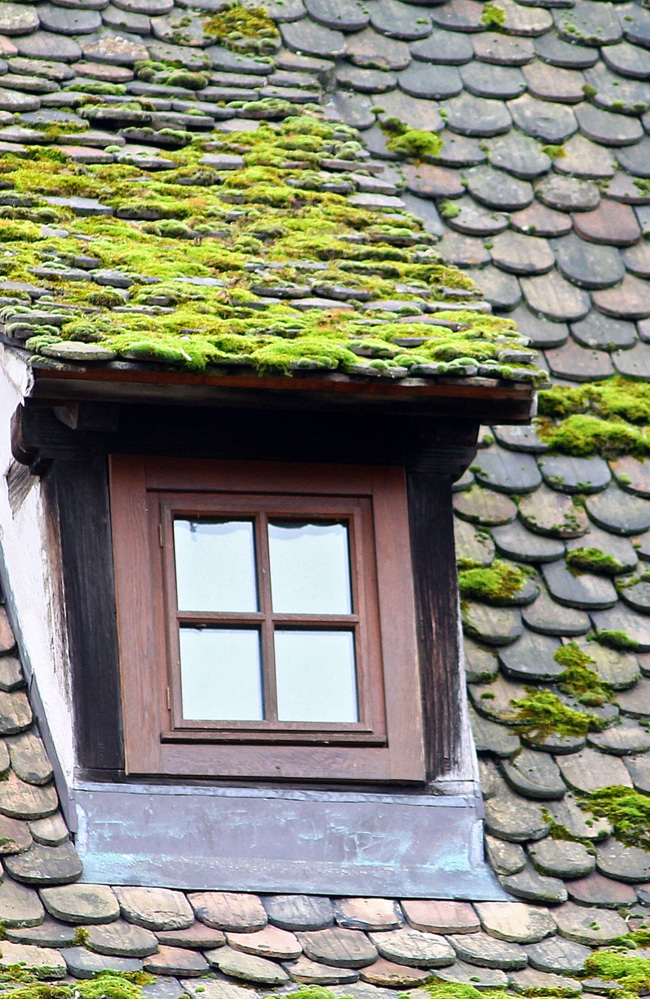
(386,744)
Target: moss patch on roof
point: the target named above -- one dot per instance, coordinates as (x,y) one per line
(608,418)
(630,972)
(242,29)
(496,584)
(107,984)
(541,713)
(223,265)
(627,810)
(578,680)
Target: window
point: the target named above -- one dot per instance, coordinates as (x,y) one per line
(266,621)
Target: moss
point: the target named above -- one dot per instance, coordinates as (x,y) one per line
(243,29)
(583,435)
(441,990)
(630,972)
(40,991)
(555,152)
(493,16)
(406,141)
(188,80)
(449,209)
(416,143)
(81,936)
(589,91)
(616,397)
(628,811)
(495,584)
(108,984)
(634,939)
(594,560)
(106,297)
(541,713)
(168,225)
(578,679)
(311,993)
(98,87)
(615,638)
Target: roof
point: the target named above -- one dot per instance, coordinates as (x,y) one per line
(176,202)
(540,194)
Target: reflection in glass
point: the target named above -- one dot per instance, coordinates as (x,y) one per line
(316,676)
(215,565)
(221,677)
(310,569)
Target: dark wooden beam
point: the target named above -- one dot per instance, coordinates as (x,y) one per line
(77,489)
(429,477)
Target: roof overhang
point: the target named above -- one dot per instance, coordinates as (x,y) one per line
(481,399)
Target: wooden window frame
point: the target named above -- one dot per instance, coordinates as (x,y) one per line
(387,742)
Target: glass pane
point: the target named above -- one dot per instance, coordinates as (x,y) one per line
(221,676)
(316,676)
(215,565)
(310,569)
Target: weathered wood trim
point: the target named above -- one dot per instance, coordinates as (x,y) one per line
(486,400)
(429,478)
(79,489)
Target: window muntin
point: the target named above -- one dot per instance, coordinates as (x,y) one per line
(303,674)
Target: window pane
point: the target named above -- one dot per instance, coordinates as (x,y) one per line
(215,565)
(316,676)
(310,569)
(221,677)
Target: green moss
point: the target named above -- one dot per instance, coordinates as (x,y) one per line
(616,397)
(630,972)
(583,435)
(594,560)
(311,993)
(416,143)
(635,939)
(188,80)
(243,29)
(628,811)
(589,91)
(555,152)
(40,991)
(616,638)
(406,141)
(99,87)
(541,713)
(440,990)
(578,679)
(179,223)
(449,209)
(108,984)
(81,936)
(493,16)
(495,584)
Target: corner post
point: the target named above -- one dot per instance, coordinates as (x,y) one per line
(431,472)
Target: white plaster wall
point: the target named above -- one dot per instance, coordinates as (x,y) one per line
(31,577)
